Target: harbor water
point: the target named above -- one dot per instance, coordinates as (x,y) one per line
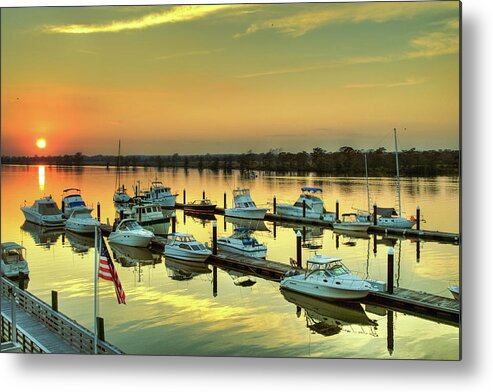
(180,308)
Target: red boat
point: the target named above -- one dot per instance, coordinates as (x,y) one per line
(201,206)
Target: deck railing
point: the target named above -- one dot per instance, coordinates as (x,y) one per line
(74,334)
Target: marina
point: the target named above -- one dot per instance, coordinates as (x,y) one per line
(297,239)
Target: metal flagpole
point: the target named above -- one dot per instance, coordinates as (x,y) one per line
(96,264)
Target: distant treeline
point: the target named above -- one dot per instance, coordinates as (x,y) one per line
(344,162)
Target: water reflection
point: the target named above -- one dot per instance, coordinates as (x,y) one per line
(79,243)
(184,270)
(41,177)
(328,318)
(43,236)
(129,256)
(248,224)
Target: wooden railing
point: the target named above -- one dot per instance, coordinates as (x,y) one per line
(74,334)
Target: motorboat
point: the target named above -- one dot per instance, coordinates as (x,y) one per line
(81,221)
(350,222)
(326,277)
(328,318)
(13,260)
(455,291)
(159,194)
(44,212)
(71,200)
(184,270)
(244,206)
(242,242)
(120,195)
(129,232)
(45,236)
(185,247)
(201,206)
(149,216)
(311,199)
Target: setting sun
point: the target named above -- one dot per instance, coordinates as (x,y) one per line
(41,143)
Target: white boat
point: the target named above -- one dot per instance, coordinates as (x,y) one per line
(455,290)
(81,221)
(242,242)
(13,260)
(185,247)
(244,206)
(71,200)
(314,206)
(350,222)
(120,195)
(149,216)
(159,194)
(326,277)
(44,212)
(130,233)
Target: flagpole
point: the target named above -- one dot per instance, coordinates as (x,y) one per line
(96,264)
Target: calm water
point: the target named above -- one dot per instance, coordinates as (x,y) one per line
(172,308)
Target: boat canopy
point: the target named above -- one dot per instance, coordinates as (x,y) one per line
(7,246)
(311,189)
(319,259)
(386,212)
(71,189)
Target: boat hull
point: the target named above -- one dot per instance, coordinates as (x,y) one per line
(319,291)
(182,254)
(210,209)
(43,220)
(297,212)
(81,227)
(245,251)
(129,239)
(246,213)
(359,227)
(398,223)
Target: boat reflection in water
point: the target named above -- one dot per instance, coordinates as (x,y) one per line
(241,279)
(184,270)
(200,218)
(43,236)
(80,243)
(328,318)
(130,256)
(249,224)
(312,236)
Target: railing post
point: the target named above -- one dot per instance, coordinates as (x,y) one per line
(214,238)
(100,322)
(54,300)
(298,250)
(390,271)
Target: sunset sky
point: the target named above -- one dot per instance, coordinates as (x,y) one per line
(229,78)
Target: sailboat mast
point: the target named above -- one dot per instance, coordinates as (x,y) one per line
(367,186)
(397,171)
(118,164)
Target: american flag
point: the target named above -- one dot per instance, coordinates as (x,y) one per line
(107,271)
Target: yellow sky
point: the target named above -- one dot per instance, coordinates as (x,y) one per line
(228,78)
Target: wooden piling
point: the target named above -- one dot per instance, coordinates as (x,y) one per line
(54,300)
(298,250)
(390,331)
(63,206)
(304,208)
(337,210)
(214,238)
(224,200)
(418,218)
(100,322)
(337,241)
(274,229)
(173,222)
(390,271)
(375,221)
(274,205)
(98,211)
(374,244)
(203,194)
(184,196)
(214,281)
(21,280)
(418,251)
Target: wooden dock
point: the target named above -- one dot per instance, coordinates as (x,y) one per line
(41,329)
(429,235)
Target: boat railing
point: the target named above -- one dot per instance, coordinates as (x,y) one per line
(74,334)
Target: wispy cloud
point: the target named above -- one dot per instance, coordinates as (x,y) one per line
(407,82)
(299,24)
(186,54)
(172,15)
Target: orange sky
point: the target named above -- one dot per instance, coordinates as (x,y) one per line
(198,79)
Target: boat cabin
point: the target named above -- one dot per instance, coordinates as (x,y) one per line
(47,206)
(13,253)
(72,198)
(185,241)
(242,198)
(330,266)
(128,225)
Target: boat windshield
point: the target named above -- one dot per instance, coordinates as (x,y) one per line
(130,225)
(336,269)
(48,209)
(12,256)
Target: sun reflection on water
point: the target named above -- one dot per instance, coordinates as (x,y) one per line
(41,177)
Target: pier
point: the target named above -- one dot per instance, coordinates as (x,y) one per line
(30,325)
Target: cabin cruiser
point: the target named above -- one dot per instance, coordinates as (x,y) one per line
(44,212)
(242,242)
(72,200)
(350,222)
(326,277)
(314,206)
(130,233)
(201,206)
(81,221)
(149,216)
(244,206)
(185,247)
(13,260)
(159,194)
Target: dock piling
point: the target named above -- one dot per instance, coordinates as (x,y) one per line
(184,196)
(98,211)
(274,229)
(337,210)
(337,241)
(214,281)
(298,249)
(54,300)
(203,194)
(390,271)
(214,238)
(375,214)
(63,206)
(100,322)
(418,251)
(274,205)
(390,331)
(224,200)
(418,218)
(304,208)
(21,280)
(173,222)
